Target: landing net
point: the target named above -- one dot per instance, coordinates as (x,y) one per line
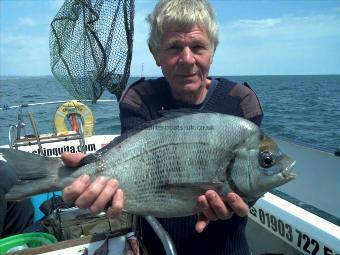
(91,46)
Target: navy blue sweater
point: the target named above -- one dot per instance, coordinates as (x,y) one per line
(143,102)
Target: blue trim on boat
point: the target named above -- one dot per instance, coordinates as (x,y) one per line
(37,200)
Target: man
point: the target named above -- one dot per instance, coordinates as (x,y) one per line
(183,39)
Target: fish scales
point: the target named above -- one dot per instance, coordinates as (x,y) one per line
(172,152)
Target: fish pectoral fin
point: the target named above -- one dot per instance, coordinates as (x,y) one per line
(192,189)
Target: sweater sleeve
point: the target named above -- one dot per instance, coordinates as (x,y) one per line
(249,103)
(132,111)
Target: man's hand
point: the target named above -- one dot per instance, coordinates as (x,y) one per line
(214,207)
(96,195)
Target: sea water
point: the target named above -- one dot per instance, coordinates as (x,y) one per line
(301,108)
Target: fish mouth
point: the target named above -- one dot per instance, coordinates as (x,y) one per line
(287,173)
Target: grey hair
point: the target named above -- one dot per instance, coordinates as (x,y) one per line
(182,13)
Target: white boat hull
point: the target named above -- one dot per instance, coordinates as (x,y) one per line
(297,231)
(55,149)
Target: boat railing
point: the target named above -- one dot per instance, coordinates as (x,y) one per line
(162,234)
(6,107)
(17,133)
(335,152)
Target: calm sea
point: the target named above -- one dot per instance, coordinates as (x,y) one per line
(305,109)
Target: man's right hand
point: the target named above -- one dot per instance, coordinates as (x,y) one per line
(96,195)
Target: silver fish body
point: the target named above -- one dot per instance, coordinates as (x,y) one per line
(164,167)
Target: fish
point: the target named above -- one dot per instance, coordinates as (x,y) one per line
(163,166)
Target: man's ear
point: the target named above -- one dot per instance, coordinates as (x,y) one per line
(155,55)
(212,57)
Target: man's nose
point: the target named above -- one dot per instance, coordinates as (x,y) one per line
(187,56)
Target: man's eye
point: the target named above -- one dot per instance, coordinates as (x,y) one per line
(198,48)
(174,47)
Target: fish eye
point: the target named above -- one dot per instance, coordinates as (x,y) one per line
(266,159)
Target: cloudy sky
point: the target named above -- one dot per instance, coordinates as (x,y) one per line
(257,37)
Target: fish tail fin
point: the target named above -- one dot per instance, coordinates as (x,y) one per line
(23,174)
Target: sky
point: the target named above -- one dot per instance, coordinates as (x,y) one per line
(257,37)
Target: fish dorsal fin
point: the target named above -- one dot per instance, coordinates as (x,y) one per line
(99,153)
(166,115)
(176,113)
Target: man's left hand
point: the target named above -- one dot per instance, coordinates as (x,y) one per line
(214,207)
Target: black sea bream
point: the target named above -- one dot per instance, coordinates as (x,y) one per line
(164,166)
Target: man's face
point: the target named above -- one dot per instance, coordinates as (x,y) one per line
(185,57)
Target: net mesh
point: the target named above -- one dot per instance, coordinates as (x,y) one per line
(91,46)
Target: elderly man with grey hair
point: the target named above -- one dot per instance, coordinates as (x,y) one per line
(183,39)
